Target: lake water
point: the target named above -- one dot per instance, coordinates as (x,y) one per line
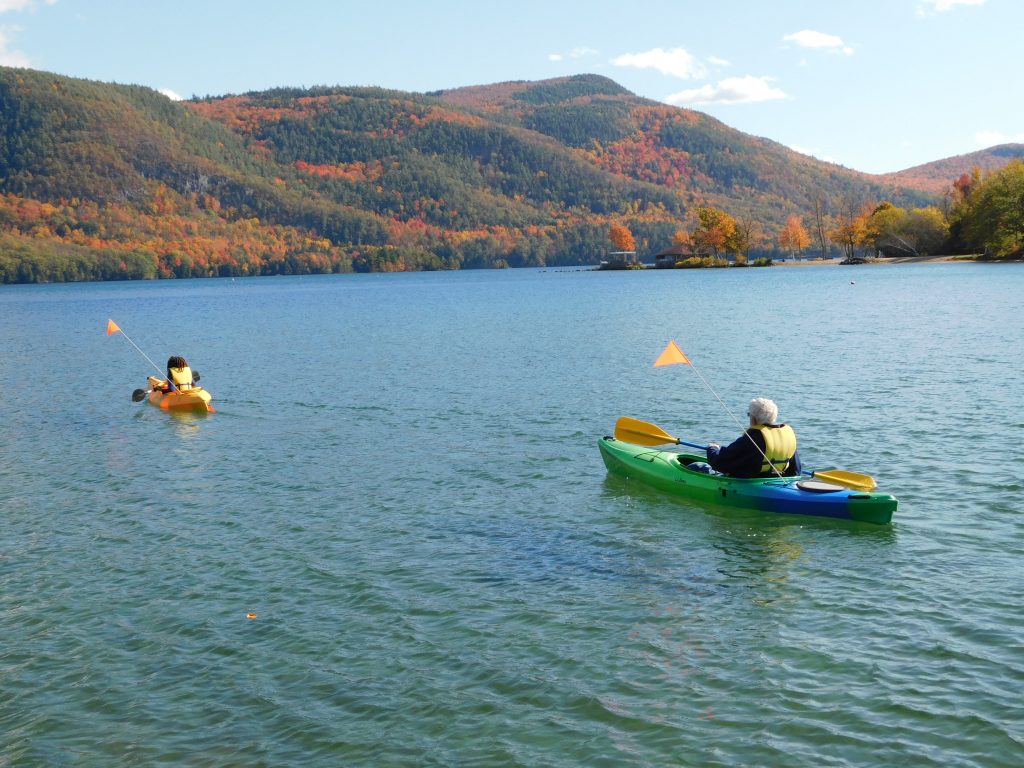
(402,482)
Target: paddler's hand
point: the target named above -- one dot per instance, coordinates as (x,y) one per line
(713,446)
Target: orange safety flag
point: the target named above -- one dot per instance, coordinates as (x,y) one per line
(111,327)
(672,355)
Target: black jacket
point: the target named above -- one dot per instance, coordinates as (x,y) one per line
(742,458)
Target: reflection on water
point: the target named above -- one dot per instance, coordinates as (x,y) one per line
(187,426)
(182,424)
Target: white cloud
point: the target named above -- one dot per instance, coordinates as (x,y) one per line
(992,138)
(676,62)
(170,94)
(928,7)
(808,38)
(575,53)
(732,90)
(718,62)
(8,56)
(811,153)
(22,5)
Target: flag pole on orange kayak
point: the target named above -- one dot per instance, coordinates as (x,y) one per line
(113,327)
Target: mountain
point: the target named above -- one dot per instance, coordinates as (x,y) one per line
(694,155)
(936,177)
(103,180)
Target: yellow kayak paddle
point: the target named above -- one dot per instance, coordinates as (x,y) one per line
(644,433)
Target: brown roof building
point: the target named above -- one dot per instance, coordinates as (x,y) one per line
(667,259)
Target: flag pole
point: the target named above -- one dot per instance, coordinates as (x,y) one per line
(113,327)
(672,355)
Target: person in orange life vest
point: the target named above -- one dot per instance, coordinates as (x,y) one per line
(179,375)
(764,450)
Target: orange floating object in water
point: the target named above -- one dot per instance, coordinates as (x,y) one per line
(250,615)
(196,399)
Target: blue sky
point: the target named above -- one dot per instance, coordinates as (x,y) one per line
(875,85)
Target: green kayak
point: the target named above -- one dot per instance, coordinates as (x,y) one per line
(668,471)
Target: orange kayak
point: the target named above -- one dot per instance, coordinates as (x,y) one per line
(196,399)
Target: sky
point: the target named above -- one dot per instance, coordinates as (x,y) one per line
(873,85)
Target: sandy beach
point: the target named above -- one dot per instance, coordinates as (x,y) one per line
(901,260)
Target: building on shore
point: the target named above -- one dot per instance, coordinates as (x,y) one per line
(668,258)
(620,260)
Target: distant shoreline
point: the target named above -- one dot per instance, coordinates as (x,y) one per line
(837,261)
(894,261)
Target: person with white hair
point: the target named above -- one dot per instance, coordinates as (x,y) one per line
(765,449)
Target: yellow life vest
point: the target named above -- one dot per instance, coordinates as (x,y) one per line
(779,447)
(182,377)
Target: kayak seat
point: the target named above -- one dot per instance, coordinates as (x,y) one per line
(699,466)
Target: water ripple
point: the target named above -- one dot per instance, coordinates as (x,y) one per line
(441,572)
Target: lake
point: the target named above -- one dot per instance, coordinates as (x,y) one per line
(402,483)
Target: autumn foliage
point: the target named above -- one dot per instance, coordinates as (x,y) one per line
(793,236)
(715,232)
(988,215)
(621,238)
(101,181)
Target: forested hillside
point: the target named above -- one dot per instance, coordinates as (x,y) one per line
(935,176)
(103,181)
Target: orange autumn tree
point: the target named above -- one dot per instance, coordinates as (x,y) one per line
(793,237)
(851,227)
(715,231)
(622,238)
(747,235)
